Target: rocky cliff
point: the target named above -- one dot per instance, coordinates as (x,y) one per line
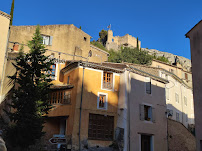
(186,63)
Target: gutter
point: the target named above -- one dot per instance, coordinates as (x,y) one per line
(81,110)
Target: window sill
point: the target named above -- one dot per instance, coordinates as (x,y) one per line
(108,89)
(102,108)
(148,122)
(97,139)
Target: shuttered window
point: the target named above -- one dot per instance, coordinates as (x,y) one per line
(177,116)
(148,85)
(185,100)
(186,76)
(147,113)
(107,80)
(47,40)
(100,127)
(176,97)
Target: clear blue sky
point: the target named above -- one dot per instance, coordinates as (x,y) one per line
(159,24)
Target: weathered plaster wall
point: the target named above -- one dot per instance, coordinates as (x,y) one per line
(4,29)
(137,96)
(176,87)
(195,36)
(66,39)
(92,85)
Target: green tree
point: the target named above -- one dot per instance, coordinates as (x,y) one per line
(163,59)
(11,13)
(103,37)
(130,55)
(30,98)
(138,44)
(98,44)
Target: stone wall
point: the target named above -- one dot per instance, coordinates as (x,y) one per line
(179,138)
(116,42)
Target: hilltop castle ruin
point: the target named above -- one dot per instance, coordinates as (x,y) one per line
(116,42)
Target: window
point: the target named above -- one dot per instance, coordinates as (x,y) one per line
(148,85)
(171,70)
(107,80)
(47,40)
(60,97)
(85,38)
(186,76)
(100,127)
(53,72)
(176,97)
(166,77)
(167,93)
(160,74)
(186,116)
(146,143)
(177,116)
(68,78)
(102,101)
(185,100)
(146,113)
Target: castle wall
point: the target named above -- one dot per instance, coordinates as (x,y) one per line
(115,42)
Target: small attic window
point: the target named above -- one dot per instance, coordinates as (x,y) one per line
(85,38)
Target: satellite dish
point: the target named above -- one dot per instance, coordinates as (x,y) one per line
(90,53)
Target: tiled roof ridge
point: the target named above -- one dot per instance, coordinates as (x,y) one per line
(5,14)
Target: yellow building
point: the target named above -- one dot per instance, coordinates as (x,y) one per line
(63,42)
(85,105)
(4,31)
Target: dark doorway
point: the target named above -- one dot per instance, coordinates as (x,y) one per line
(145,143)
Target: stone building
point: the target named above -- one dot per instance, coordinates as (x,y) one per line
(116,42)
(63,42)
(4,32)
(179,94)
(85,105)
(142,110)
(195,36)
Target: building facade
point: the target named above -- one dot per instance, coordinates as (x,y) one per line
(142,111)
(4,31)
(85,106)
(179,95)
(63,42)
(195,36)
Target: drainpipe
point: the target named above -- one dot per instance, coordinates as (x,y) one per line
(128,100)
(81,109)
(4,64)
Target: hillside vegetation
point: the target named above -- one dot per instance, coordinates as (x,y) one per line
(130,55)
